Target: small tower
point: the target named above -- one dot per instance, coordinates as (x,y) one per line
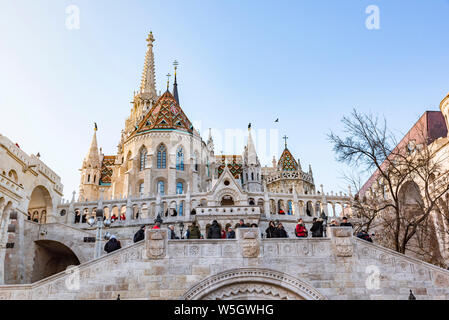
(252,171)
(91,171)
(444,107)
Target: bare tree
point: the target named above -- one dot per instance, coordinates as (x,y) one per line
(407,183)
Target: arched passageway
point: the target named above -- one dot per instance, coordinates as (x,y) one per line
(40,205)
(51,257)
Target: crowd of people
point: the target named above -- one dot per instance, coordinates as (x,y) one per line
(215,231)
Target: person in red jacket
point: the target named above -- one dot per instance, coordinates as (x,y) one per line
(122,216)
(300,230)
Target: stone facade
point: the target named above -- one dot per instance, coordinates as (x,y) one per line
(221,269)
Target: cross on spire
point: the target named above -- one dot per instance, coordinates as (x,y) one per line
(285,139)
(168,80)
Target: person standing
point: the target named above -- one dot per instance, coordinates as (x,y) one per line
(270,230)
(140,234)
(193,232)
(112,245)
(214,231)
(317,228)
(345,222)
(300,230)
(230,234)
(280,231)
(172,232)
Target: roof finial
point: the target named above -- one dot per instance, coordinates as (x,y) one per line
(150,38)
(168,80)
(175,84)
(96,128)
(285,139)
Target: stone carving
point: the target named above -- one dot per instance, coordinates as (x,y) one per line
(249,242)
(263,283)
(156,243)
(342,241)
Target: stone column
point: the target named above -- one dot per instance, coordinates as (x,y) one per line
(171,188)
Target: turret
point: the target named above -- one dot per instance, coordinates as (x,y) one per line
(91,171)
(444,107)
(252,171)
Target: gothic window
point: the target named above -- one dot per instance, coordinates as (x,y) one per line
(207,166)
(180,159)
(161,157)
(252,176)
(290,208)
(181,208)
(95,178)
(195,161)
(179,188)
(143,159)
(88,178)
(141,188)
(160,187)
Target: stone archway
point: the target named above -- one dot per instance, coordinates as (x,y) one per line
(51,257)
(40,205)
(250,284)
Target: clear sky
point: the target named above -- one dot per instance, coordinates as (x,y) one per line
(307,63)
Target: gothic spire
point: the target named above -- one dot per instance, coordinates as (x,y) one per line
(148,83)
(251,149)
(175,84)
(93,156)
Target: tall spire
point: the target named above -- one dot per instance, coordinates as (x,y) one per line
(93,157)
(148,83)
(251,149)
(175,84)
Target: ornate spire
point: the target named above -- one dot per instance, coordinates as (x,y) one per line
(148,83)
(93,157)
(251,156)
(175,84)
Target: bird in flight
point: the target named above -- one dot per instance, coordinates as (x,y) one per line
(277,120)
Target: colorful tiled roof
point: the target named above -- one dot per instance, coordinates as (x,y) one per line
(287,162)
(165,114)
(234,163)
(106,170)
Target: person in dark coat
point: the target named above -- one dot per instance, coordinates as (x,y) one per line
(317,228)
(214,231)
(112,245)
(280,231)
(230,234)
(140,234)
(345,223)
(364,236)
(242,224)
(270,230)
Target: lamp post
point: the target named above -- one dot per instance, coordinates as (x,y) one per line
(100,224)
(181,226)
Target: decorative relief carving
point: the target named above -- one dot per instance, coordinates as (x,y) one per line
(194,250)
(342,241)
(156,243)
(249,242)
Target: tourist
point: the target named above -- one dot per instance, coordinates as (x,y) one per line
(193,232)
(172,232)
(214,231)
(301,230)
(270,230)
(345,223)
(224,233)
(333,223)
(123,216)
(157,225)
(113,218)
(112,245)
(281,211)
(254,225)
(242,224)
(140,234)
(280,231)
(230,234)
(317,228)
(364,236)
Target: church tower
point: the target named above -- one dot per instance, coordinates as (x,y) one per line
(91,172)
(252,172)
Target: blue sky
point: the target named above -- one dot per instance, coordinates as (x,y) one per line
(307,63)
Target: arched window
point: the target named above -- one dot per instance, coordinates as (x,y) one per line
(252,176)
(160,187)
(88,178)
(143,159)
(141,188)
(95,178)
(180,159)
(290,207)
(195,161)
(181,208)
(179,188)
(161,157)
